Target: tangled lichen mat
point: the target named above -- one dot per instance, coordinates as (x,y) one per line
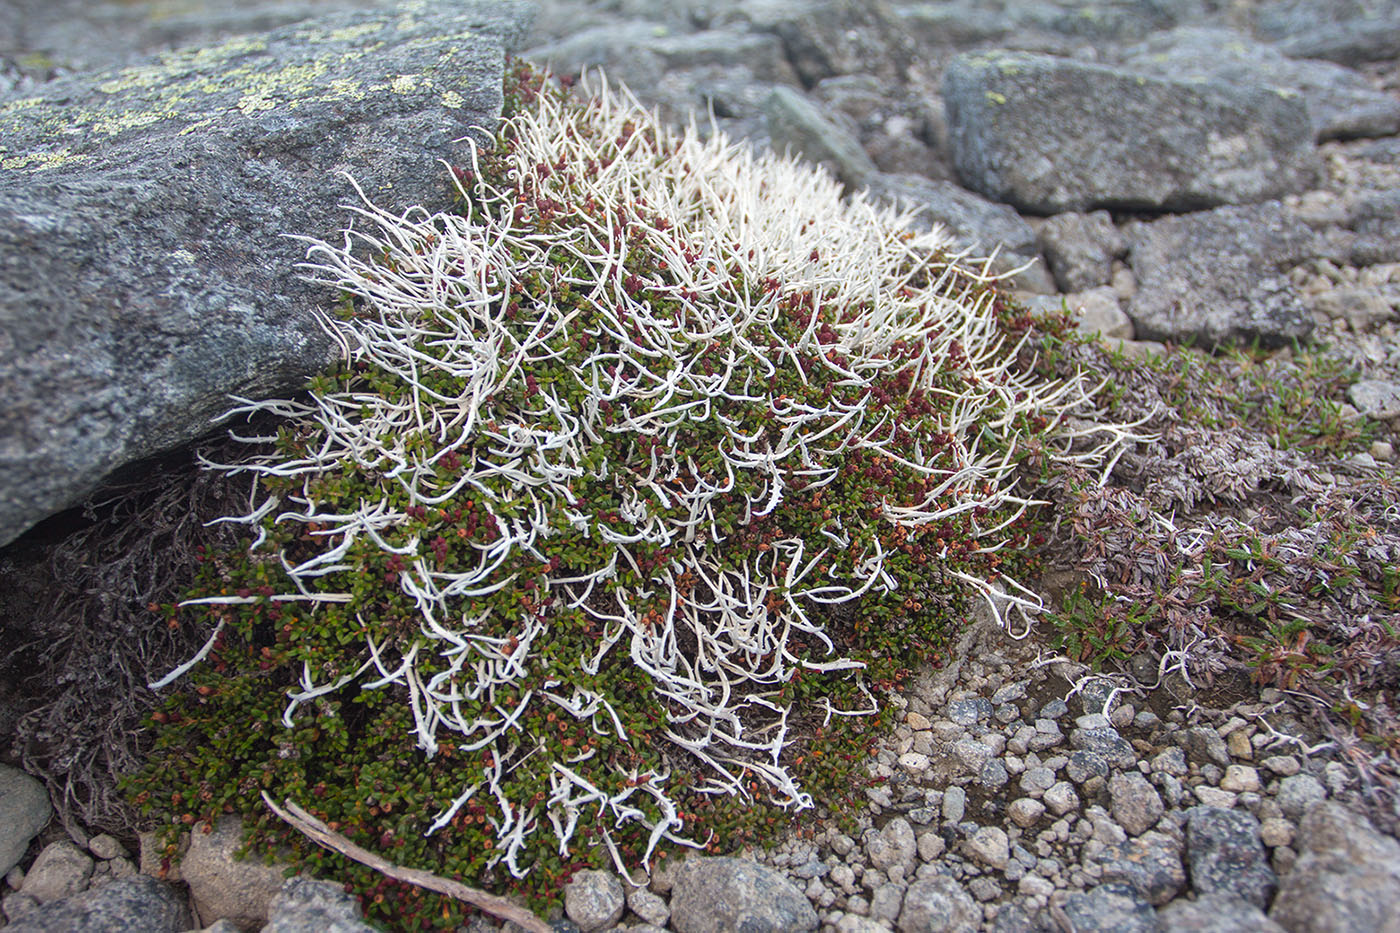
(646,473)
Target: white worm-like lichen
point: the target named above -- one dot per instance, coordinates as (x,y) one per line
(756,273)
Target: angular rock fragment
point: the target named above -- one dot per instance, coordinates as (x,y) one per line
(305,905)
(796,126)
(1215,913)
(975,223)
(1215,277)
(1347,876)
(1224,853)
(135,903)
(938,903)
(1080,249)
(1111,907)
(1150,863)
(729,895)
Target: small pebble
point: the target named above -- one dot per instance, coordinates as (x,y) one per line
(1282,765)
(1240,779)
(1276,832)
(1214,796)
(1239,746)
(1060,798)
(1025,811)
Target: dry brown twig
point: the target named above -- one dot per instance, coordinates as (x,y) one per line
(319,832)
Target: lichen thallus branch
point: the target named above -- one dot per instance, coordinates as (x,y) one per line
(637,467)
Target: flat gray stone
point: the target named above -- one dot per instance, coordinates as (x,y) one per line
(1347,876)
(1216,277)
(305,905)
(135,903)
(1080,249)
(1224,853)
(974,223)
(825,38)
(1341,102)
(730,895)
(1348,42)
(1050,135)
(1220,912)
(938,903)
(954,25)
(612,44)
(796,126)
(1111,908)
(1111,20)
(145,275)
(682,71)
(24,810)
(1376,397)
(1281,20)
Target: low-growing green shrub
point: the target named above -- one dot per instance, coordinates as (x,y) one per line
(647,471)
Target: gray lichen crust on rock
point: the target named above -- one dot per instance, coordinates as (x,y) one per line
(146,272)
(1027,129)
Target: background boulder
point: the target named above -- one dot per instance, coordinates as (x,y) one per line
(1050,134)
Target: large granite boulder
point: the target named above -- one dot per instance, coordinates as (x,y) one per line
(146,274)
(1050,134)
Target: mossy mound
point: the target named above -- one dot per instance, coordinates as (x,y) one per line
(647,472)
